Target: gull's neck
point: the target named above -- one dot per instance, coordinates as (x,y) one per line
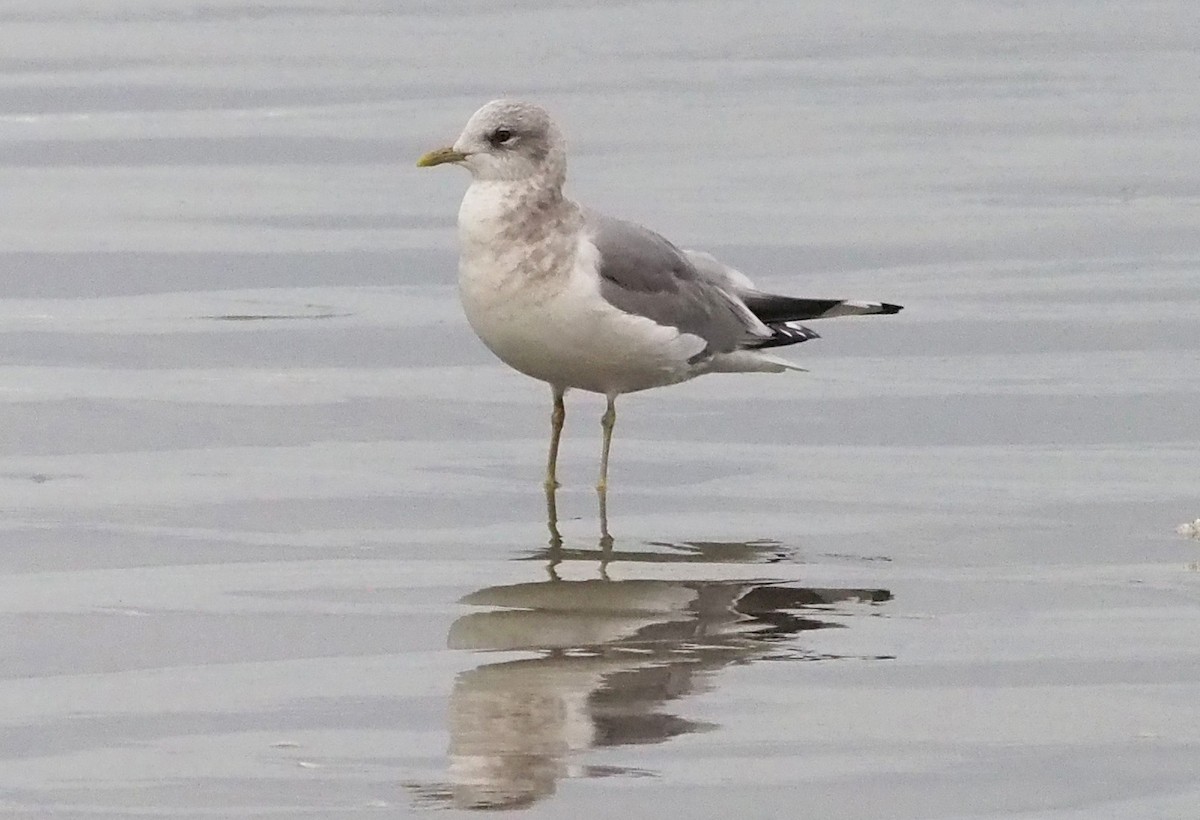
(496,213)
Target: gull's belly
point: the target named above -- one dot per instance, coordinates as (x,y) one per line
(560,330)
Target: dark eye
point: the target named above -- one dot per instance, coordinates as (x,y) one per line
(500,136)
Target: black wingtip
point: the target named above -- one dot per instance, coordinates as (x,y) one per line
(886,308)
(786,334)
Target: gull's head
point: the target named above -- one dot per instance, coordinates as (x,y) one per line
(506,141)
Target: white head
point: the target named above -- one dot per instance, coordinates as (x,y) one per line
(507,141)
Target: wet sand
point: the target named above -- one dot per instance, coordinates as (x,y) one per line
(274,539)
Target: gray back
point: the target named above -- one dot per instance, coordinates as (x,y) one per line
(644,274)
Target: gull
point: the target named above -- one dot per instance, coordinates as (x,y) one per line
(584,301)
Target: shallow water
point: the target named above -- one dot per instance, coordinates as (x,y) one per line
(274,543)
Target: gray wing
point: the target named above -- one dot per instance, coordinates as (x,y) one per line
(717,272)
(644,274)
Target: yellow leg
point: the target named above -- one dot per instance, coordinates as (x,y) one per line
(552,517)
(603,493)
(557,417)
(606,423)
(554,551)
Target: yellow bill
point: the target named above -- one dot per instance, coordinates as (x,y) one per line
(439,157)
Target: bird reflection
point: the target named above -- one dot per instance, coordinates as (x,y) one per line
(612,656)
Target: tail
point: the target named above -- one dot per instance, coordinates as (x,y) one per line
(772,309)
(749,361)
(782,313)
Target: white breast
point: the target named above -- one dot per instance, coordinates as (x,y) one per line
(546,317)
